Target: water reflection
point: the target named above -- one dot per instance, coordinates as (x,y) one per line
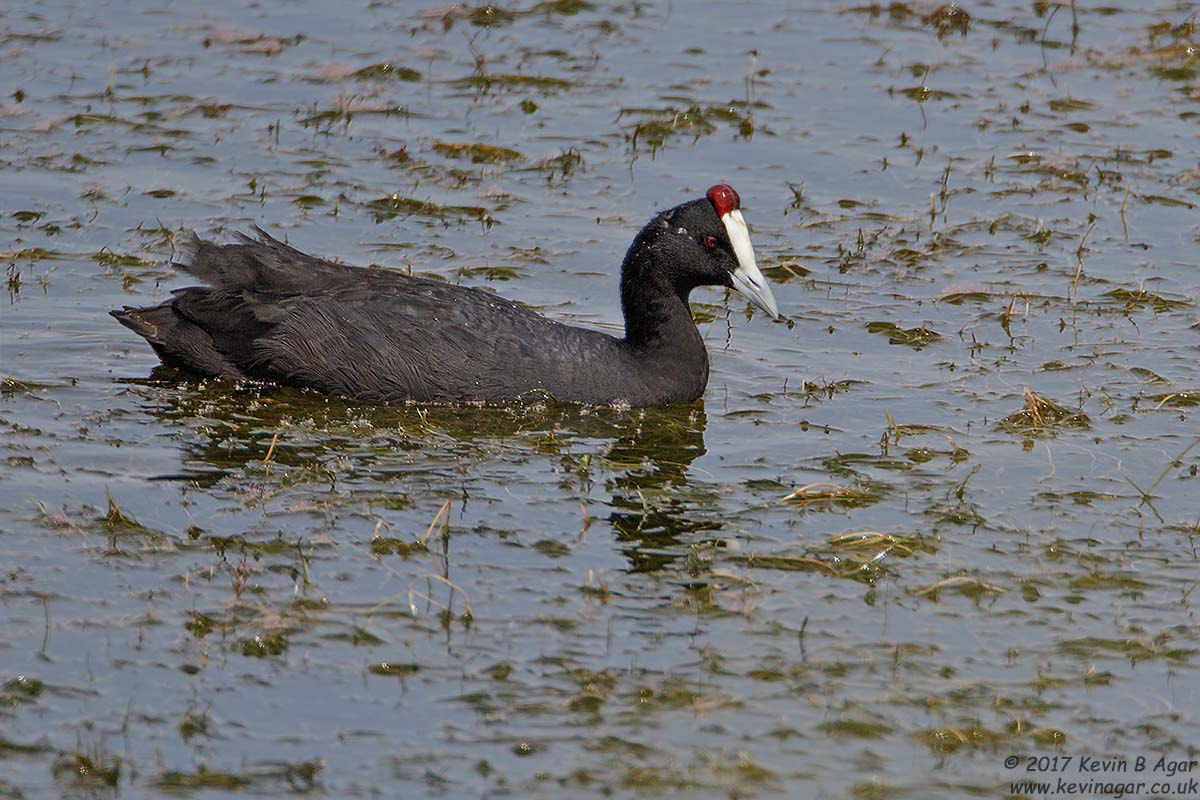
(655,502)
(643,456)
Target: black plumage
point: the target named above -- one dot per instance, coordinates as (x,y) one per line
(270,312)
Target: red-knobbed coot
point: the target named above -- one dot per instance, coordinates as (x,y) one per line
(271,312)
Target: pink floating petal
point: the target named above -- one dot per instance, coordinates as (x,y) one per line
(47,124)
(438,12)
(268,45)
(225,34)
(337,72)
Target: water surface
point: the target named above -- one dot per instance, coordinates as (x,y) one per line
(982,223)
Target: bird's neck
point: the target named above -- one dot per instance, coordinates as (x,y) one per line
(662,340)
(656,312)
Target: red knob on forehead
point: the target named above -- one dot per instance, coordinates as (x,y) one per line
(724,198)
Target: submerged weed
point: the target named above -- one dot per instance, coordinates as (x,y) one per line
(1043,417)
(965,585)
(950,739)
(20,690)
(916,338)
(1136,300)
(297,777)
(97,769)
(392,669)
(1134,649)
(879,545)
(855,729)
(266,645)
(478,153)
(387,70)
(826,495)
(395,205)
(486,82)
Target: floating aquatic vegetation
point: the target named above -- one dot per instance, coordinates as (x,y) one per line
(489,15)
(1056,166)
(659,125)
(944,19)
(386,70)
(1068,104)
(393,669)
(878,545)
(396,205)
(96,769)
(1163,200)
(264,645)
(297,777)
(109,258)
(1135,648)
(785,271)
(1137,299)
(562,7)
(567,162)
(117,521)
(947,19)
(485,15)
(855,728)
(485,82)
(1042,416)
(9,748)
(12,386)
(916,338)
(20,690)
(924,93)
(1108,581)
(1186,398)
(27,216)
(478,153)
(855,566)
(391,546)
(827,495)
(347,107)
(966,585)
(950,739)
(309,200)
(250,42)
(491,273)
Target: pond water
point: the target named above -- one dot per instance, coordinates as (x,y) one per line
(941,514)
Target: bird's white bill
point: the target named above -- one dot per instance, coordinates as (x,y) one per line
(747,279)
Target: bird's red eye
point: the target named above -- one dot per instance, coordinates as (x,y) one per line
(710,242)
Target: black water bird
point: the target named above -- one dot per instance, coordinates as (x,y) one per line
(272,313)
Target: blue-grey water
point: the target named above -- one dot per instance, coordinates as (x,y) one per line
(982,401)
